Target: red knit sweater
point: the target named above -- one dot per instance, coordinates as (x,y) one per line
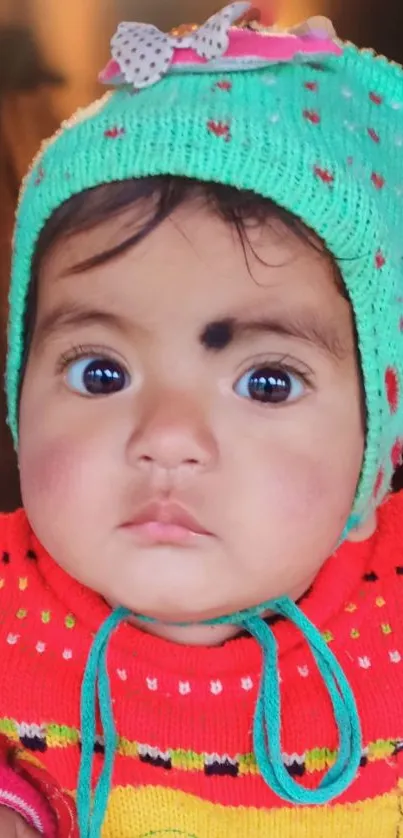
(185,765)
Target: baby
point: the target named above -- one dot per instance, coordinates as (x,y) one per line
(201,602)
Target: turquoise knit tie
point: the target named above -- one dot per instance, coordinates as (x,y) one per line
(267,722)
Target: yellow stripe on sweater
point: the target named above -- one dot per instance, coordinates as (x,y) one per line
(155,812)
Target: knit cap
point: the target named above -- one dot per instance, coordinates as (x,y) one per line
(316,126)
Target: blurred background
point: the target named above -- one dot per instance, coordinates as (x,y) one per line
(50,55)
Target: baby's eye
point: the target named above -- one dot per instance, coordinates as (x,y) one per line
(96,376)
(270,385)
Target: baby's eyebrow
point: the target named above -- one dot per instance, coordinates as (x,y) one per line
(219,334)
(67,316)
(216,336)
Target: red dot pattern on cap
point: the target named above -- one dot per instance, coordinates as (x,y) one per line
(380,260)
(374,135)
(224,85)
(114,132)
(379,482)
(324,174)
(392,388)
(312,116)
(378,180)
(376,98)
(220,129)
(396,453)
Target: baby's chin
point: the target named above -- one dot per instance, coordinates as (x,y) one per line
(195,635)
(179,624)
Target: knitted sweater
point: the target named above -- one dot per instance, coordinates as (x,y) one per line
(184,715)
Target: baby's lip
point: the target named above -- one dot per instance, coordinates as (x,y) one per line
(169,515)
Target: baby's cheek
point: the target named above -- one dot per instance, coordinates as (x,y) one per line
(297,503)
(51,471)
(314,497)
(311,487)
(297,482)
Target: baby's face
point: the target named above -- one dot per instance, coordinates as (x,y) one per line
(170,377)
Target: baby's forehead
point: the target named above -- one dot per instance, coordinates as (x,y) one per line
(193,236)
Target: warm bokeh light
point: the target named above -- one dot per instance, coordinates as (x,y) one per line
(74,35)
(292,11)
(68,34)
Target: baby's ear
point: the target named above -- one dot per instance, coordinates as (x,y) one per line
(365,529)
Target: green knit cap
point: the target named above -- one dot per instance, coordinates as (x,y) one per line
(325,141)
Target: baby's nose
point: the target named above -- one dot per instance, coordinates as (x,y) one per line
(173,434)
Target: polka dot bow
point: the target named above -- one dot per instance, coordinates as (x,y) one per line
(142,54)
